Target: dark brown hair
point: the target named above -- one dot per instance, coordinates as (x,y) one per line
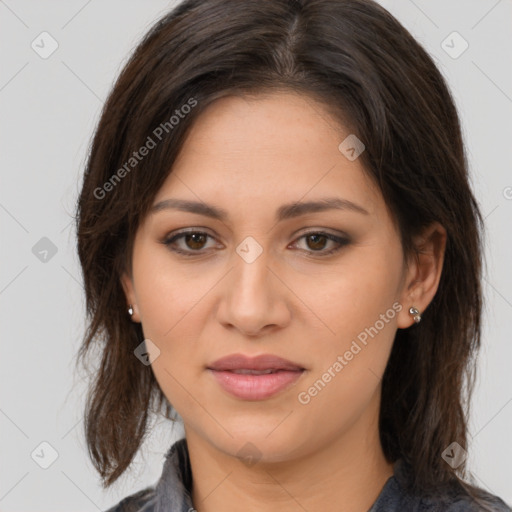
(366,69)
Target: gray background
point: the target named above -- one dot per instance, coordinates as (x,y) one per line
(49,107)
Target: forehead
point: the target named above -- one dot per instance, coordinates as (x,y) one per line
(282,123)
(267,149)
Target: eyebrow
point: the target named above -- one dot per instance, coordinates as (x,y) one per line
(284,212)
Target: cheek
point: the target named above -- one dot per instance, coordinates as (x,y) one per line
(173,303)
(165,295)
(166,300)
(348,366)
(358,308)
(352,296)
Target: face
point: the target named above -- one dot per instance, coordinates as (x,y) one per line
(324,288)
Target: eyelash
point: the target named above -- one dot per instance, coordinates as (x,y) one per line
(339,240)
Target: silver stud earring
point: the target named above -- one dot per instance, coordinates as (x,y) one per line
(417,316)
(130,310)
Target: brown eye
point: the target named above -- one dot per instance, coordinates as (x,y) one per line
(189,243)
(318,241)
(195,240)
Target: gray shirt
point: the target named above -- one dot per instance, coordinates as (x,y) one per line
(172,492)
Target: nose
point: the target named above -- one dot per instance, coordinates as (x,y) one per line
(254,299)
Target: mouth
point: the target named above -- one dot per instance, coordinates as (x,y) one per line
(262,363)
(256,378)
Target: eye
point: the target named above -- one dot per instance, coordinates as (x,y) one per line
(194,241)
(317,240)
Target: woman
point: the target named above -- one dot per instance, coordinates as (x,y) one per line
(279,243)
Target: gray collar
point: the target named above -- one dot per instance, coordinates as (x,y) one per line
(175,485)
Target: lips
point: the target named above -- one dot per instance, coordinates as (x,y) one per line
(262,363)
(255,378)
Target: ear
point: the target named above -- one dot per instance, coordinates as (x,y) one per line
(424,273)
(129,291)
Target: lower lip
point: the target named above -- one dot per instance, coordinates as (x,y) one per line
(255,387)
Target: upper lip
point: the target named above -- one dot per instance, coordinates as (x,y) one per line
(261,362)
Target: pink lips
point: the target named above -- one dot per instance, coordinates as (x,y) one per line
(236,374)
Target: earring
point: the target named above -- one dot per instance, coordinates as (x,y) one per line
(417,316)
(130,310)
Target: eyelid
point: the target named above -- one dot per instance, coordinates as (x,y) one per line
(340,240)
(320,231)
(176,235)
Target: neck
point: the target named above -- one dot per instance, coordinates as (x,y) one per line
(347,471)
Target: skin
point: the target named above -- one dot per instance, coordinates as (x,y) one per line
(249,156)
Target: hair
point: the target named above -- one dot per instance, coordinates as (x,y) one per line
(358,62)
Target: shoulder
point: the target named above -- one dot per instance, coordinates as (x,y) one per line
(441,502)
(464,503)
(398,495)
(141,501)
(485,502)
(458,500)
